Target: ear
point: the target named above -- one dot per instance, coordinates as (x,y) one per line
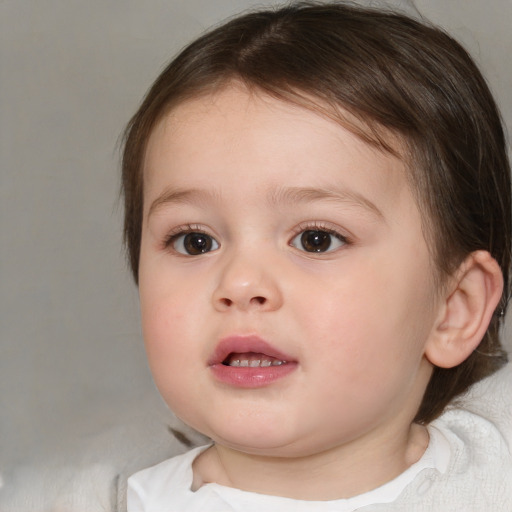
(466,311)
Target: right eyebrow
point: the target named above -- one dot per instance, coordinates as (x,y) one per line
(180,196)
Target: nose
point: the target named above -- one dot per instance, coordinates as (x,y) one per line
(246,284)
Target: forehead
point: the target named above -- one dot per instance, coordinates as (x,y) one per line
(261,139)
(235,96)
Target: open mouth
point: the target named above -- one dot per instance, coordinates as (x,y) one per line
(251,360)
(247,351)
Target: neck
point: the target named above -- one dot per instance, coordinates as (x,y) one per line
(340,472)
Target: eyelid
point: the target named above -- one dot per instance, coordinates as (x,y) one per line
(181,230)
(328,227)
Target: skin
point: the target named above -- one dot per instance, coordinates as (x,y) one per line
(358,319)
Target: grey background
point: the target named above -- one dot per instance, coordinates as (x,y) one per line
(72,73)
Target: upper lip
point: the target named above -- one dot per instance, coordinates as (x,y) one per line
(245,344)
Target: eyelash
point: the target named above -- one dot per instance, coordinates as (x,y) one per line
(181,231)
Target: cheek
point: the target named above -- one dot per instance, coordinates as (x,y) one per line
(165,297)
(166,324)
(163,314)
(167,340)
(372,324)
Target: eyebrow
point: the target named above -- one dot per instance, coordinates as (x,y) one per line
(181,196)
(285,195)
(297,195)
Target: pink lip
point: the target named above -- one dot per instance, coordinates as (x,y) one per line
(249,377)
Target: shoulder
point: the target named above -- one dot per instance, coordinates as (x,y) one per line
(487,407)
(480,424)
(478,430)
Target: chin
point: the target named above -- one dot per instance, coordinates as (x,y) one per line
(248,436)
(254,441)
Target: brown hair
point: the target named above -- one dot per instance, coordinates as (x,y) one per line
(394,75)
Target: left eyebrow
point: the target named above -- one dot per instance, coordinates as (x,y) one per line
(296,195)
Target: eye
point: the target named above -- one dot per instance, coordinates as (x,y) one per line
(193,243)
(318,240)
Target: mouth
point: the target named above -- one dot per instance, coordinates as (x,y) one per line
(249,362)
(247,351)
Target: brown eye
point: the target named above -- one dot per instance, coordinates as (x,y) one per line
(317,240)
(193,244)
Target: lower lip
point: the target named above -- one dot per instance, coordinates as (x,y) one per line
(247,377)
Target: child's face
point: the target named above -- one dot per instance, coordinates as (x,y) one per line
(273,234)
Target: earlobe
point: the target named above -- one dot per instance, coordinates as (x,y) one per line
(467,310)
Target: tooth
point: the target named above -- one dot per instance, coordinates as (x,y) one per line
(255,363)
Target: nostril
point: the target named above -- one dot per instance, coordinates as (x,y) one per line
(242,303)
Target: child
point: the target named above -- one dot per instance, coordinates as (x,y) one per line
(318,218)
